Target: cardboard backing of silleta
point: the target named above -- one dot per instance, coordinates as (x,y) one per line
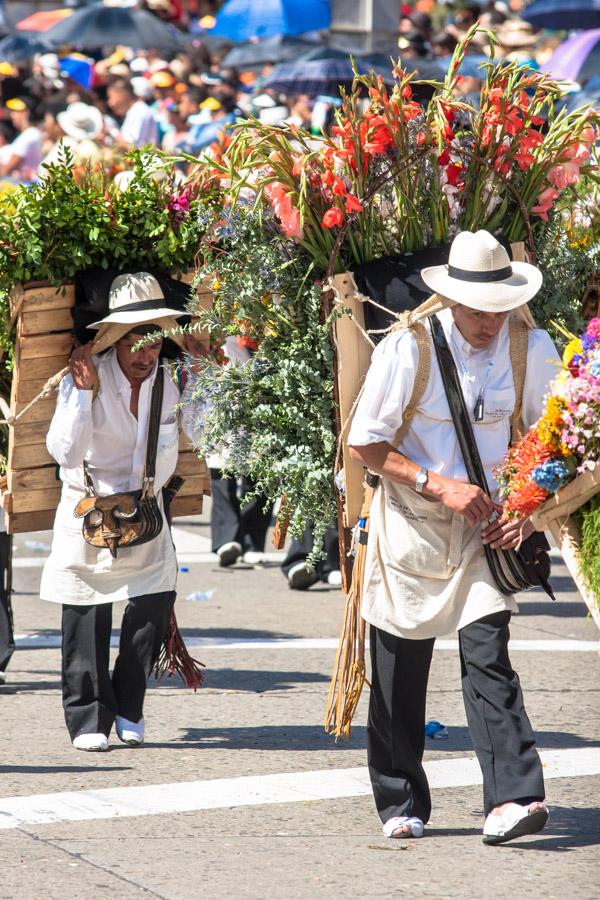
(44,341)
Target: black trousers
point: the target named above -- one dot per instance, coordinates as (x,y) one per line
(91,698)
(500,730)
(299,550)
(230,520)
(7,641)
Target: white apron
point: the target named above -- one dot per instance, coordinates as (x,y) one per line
(425,571)
(79,574)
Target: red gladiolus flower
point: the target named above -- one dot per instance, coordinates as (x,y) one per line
(333,218)
(444,158)
(339,188)
(328,178)
(353,204)
(544,203)
(453,173)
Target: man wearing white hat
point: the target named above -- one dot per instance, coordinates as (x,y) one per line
(115,431)
(426,573)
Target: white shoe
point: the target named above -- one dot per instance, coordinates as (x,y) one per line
(229,553)
(335,578)
(91,742)
(515,821)
(131,733)
(403,827)
(255,558)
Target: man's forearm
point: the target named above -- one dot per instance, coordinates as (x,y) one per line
(383,459)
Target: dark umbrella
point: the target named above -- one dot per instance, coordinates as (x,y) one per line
(105,26)
(275,49)
(563,14)
(590,95)
(326,76)
(316,77)
(18,47)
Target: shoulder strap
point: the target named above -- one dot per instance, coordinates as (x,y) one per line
(421,378)
(519,346)
(154,423)
(515,579)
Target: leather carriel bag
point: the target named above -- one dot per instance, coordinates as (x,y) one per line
(132,517)
(512,570)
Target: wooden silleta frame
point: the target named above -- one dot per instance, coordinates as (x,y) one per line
(44,341)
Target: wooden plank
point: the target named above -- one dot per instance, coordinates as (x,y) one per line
(186,506)
(19,523)
(353,360)
(41,412)
(40,369)
(28,456)
(192,485)
(29,433)
(45,321)
(45,298)
(27,390)
(31,501)
(32,479)
(45,345)
(190,464)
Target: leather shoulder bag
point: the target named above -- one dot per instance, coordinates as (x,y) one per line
(512,570)
(131,517)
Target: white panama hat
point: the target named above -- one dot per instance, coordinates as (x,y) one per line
(479,274)
(80,121)
(133,300)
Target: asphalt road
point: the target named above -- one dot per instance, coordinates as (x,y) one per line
(239,793)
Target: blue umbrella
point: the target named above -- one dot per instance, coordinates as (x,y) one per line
(241,20)
(563,14)
(18,47)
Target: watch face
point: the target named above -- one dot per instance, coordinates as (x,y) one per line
(422,478)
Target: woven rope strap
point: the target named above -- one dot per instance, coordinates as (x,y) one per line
(421,379)
(519,345)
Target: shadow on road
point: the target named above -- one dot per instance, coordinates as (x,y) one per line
(268,737)
(568,829)
(458,739)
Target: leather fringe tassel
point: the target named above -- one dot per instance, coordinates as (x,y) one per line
(349,670)
(174,659)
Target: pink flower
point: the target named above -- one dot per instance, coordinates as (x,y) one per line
(544,203)
(564,174)
(593,328)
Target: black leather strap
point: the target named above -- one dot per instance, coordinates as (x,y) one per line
(498,561)
(154,422)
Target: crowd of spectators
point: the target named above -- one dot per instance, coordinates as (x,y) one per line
(184,102)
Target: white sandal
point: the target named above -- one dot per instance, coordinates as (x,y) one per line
(515,821)
(415,827)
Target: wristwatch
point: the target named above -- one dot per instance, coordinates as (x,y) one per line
(421,479)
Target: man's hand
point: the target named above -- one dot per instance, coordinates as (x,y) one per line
(467,499)
(82,368)
(506,534)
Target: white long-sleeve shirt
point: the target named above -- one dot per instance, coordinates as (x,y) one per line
(431,438)
(103,431)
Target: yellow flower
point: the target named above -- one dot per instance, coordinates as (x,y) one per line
(216,283)
(572,349)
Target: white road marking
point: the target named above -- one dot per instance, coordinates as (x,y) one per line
(50,641)
(185,557)
(253,790)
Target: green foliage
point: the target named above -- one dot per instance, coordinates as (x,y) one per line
(271,418)
(76,219)
(589,521)
(568,265)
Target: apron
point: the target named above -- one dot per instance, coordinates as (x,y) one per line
(425,571)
